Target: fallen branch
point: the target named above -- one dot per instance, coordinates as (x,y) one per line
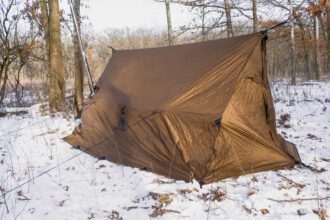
(299,185)
(298,200)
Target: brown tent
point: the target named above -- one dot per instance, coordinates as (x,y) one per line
(199,111)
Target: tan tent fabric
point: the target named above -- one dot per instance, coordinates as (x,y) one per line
(199,111)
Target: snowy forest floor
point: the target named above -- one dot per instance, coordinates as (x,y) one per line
(86,188)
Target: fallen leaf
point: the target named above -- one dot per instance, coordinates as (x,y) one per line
(264,211)
(61,203)
(321,213)
(100,167)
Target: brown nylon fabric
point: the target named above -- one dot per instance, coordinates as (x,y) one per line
(156,109)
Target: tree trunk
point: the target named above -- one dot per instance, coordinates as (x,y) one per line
(169,23)
(328,31)
(293,60)
(322,19)
(4,83)
(79,68)
(317,57)
(203,21)
(57,82)
(230,32)
(304,37)
(45,17)
(255,18)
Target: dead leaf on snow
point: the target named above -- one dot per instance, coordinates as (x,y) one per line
(159,212)
(321,213)
(250,193)
(21,196)
(254,179)
(61,203)
(247,209)
(92,216)
(301,212)
(101,166)
(264,211)
(325,159)
(282,186)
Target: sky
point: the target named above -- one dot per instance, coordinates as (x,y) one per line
(104,14)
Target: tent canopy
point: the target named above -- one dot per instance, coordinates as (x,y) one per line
(201,110)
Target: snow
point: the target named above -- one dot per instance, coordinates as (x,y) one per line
(87,188)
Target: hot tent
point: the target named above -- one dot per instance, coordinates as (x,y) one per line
(199,111)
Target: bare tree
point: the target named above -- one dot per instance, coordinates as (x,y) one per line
(305,37)
(230,32)
(169,23)
(317,57)
(209,18)
(293,60)
(255,16)
(44,21)
(78,66)
(15,46)
(52,28)
(328,34)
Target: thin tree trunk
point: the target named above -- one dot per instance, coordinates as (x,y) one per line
(304,37)
(293,60)
(318,70)
(328,31)
(45,17)
(44,20)
(57,83)
(169,23)
(230,32)
(203,21)
(4,84)
(322,19)
(255,18)
(79,67)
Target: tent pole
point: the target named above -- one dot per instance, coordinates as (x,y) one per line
(82,51)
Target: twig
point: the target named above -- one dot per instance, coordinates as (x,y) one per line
(297,200)
(5,202)
(290,180)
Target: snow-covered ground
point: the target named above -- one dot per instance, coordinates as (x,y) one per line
(85,188)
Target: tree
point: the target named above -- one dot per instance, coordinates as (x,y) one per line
(52,29)
(328,34)
(230,32)
(317,57)
(169,23)
(78,66)
(293,56)
(254,13)
(15,46)
(209,18)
